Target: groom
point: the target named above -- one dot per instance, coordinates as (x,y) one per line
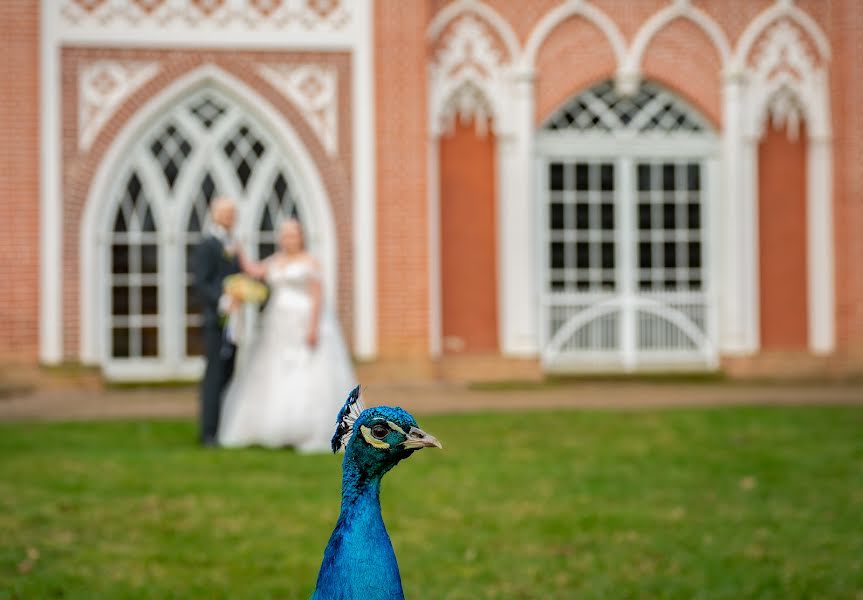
(215,259)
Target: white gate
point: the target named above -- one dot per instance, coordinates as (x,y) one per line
(627,188)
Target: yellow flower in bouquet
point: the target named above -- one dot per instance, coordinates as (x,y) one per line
(245,288)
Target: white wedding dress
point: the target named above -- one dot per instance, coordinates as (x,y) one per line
(286,393)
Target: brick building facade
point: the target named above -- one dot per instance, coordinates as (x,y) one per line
(494,187)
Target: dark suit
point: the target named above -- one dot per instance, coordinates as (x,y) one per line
(211,266)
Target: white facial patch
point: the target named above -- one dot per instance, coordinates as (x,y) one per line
(367,436)
(395,427)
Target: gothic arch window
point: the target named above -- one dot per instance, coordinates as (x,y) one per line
(626,183)
(205,145)
(134,285)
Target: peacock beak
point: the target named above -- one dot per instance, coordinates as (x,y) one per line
(417,438)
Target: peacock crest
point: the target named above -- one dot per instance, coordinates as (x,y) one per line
(346,419)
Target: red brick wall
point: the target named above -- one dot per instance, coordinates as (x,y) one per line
(782,241)
(468,240)
(19,180)
(578,49)
(402,218)
(79,168)
(845,28)
(683,58)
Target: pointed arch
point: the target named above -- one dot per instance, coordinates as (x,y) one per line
(681,9)
(302,167)
(573,8)
(460,7)
(760,24)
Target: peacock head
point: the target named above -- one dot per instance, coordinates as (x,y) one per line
(378,438)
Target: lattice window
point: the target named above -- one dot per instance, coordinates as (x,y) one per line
(203,146)
(624,231)
(134,292)
(280,205)
(581,226)
(170,149)
(207,110)
(244,149)
(602,108)
(669,226)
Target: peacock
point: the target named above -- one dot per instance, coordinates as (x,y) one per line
(359,562)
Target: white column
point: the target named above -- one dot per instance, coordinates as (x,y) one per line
(625,206)
(517,278)
(819,245)
(433,187)
(364,230)
(50,201)
(737,245)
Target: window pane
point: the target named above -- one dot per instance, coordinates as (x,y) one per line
(668,215)
(582,216)
(120,342)
(557,255)
(670,255)
(120,258)
(668,177)
(556,216)
(194,341)
(645,255)
(582,255)
(607,216)
(644,216)
(149,341)
(149,300)
(694,215)
(606,177)
(643,178)
(694,255)
(149,258)
(120,300)
(581,177)
(555,176)
(693,176)
(607,255)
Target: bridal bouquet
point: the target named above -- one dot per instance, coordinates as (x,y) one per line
(245,288)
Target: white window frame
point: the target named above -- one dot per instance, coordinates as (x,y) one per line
(625,148)
(299,169)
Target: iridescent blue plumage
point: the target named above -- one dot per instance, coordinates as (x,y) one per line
(359,562)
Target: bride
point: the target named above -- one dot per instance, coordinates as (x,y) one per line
(297,371)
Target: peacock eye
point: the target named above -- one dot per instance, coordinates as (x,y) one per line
(380,431)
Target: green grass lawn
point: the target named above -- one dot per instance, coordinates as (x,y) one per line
(724,503)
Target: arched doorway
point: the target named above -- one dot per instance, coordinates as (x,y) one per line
(626,190)
(155,208)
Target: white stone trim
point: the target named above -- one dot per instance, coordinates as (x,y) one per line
(680,9)
(92,224)
(232,25)
(458,8)
(365,292)
(50,196)
(518,296)
(782,8)
(558,15)
(319,109)
(768,81)
(819,246)
(97,104)
(738,231)
(434,233)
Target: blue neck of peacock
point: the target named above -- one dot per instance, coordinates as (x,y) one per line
(361,488)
